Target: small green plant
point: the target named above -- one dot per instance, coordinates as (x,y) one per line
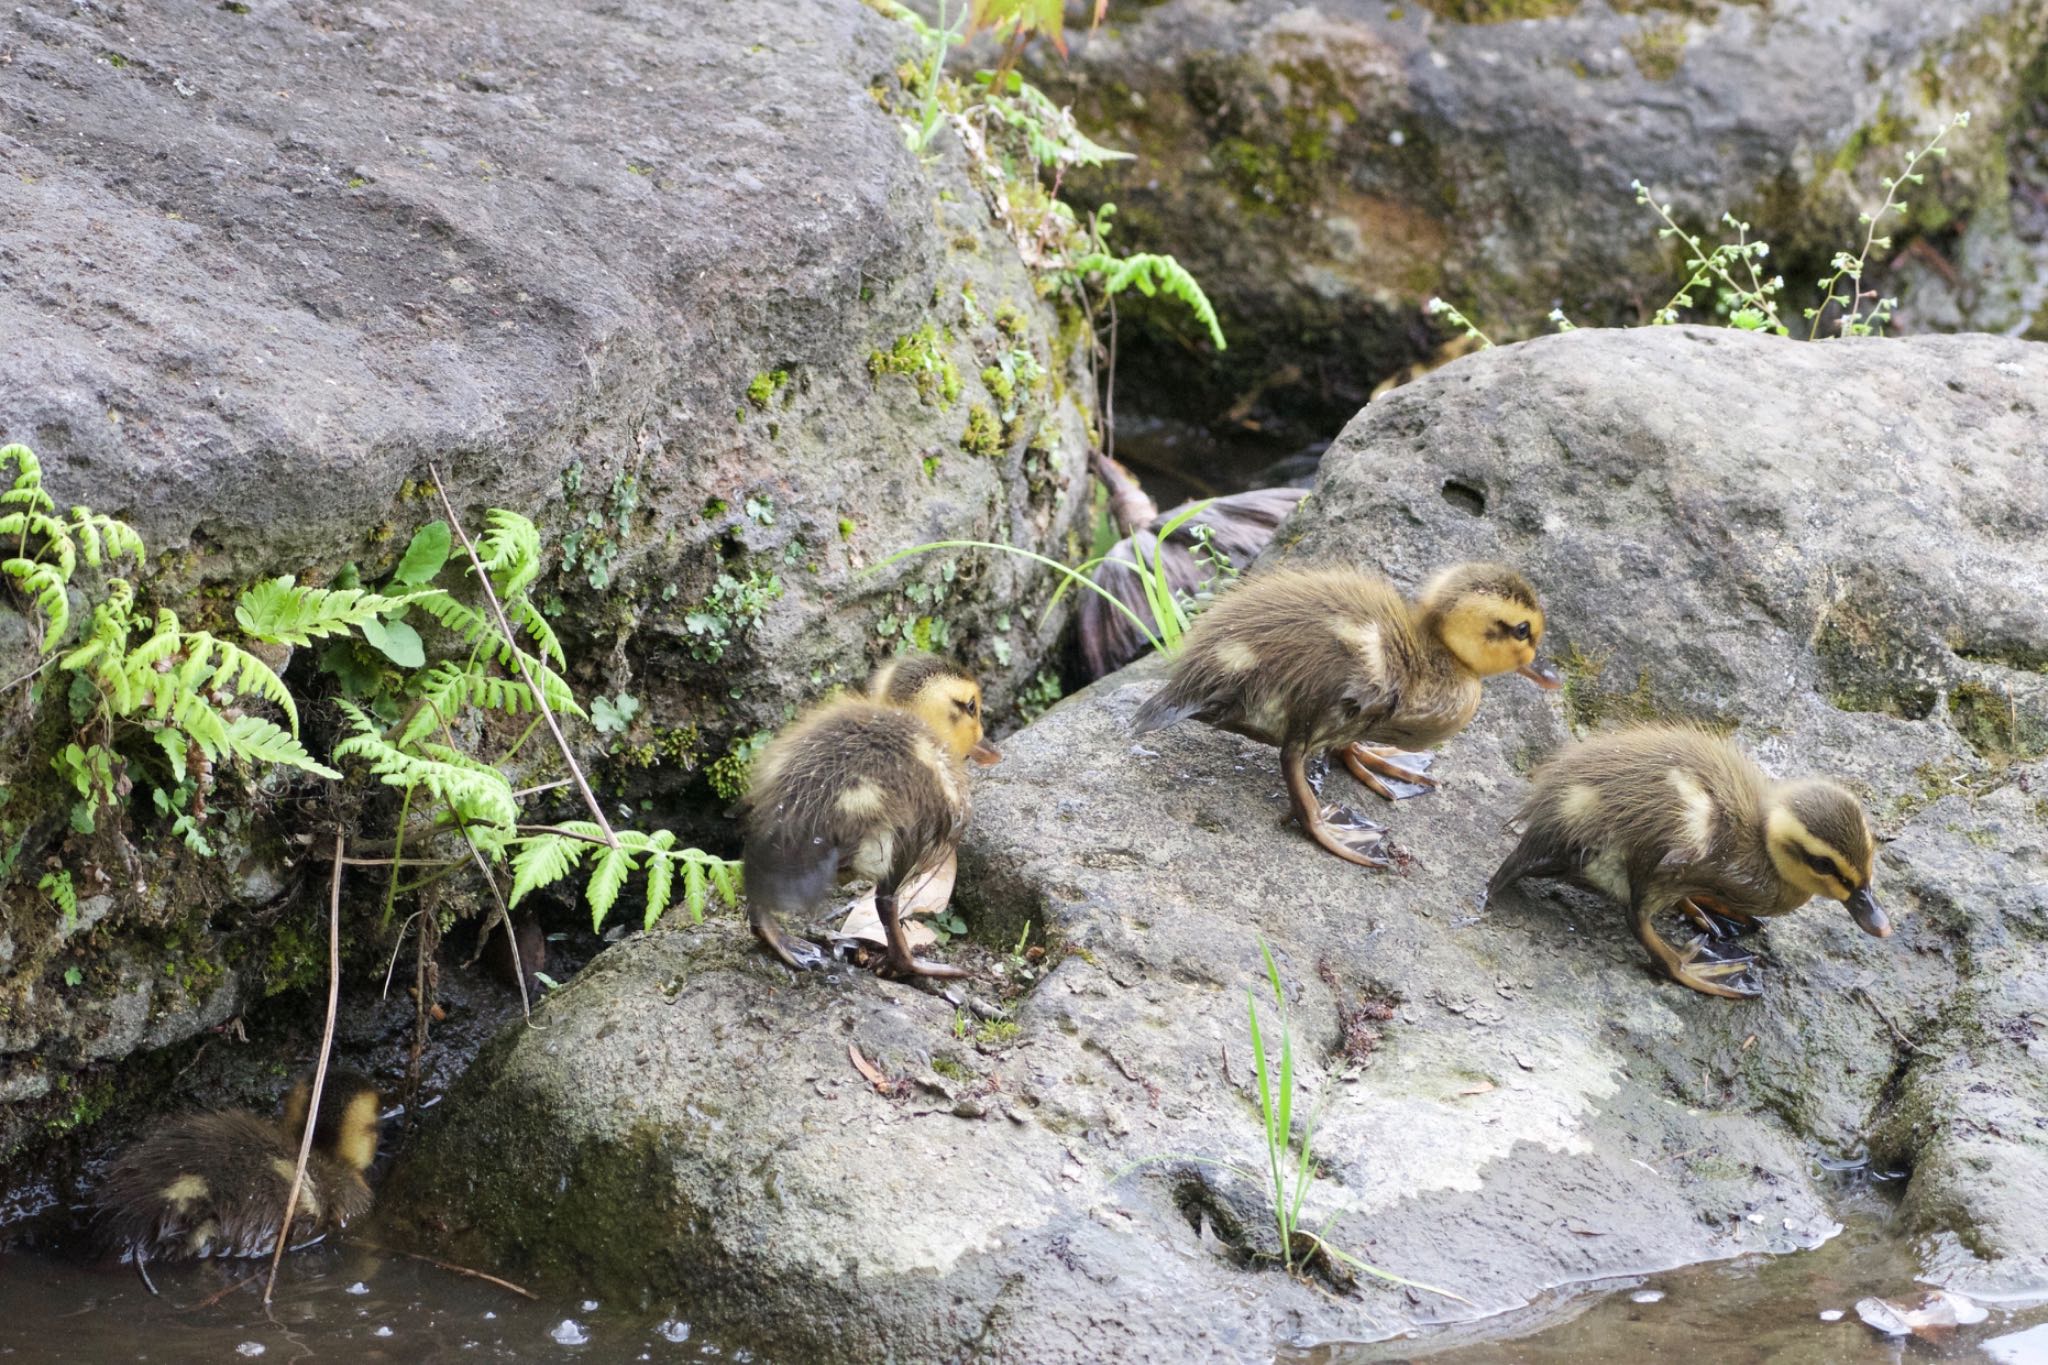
(733,607)
(613,717)
(57,886)
(729,775)
(1443,308)
(921,357)
(1290,1170)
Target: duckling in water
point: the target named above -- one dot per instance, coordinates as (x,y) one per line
(1335,660)
(215,1184)
(872,786)
(1672,817)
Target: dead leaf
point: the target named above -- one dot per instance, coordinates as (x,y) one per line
(868,1070)
(1480,1089)
(928,894)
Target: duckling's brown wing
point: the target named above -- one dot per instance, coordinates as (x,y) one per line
(209,1185)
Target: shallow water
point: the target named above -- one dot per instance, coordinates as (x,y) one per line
(344,1304)
(1744,1312)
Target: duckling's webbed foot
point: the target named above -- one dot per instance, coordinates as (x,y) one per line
(1710,970)
(1392,773)
(797,954)
(900,961)
(1338,828)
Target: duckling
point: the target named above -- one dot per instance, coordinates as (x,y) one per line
(872,786)
(1335,660)
(1229,533)
(1673,817)
(215,1184)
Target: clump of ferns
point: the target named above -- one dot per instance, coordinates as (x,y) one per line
(413,726)
(146,694)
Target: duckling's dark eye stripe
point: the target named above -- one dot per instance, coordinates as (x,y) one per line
(1828,867)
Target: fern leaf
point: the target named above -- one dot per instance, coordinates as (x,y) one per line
(1152,274)
(728,885)
(510,550)
(694,889)
(28,480)
(543,860)
(607,879)
(474,790)
(104,539)
(262,741)
(46,585)
(280,612)
(661,880)
(172,742)
(528,618)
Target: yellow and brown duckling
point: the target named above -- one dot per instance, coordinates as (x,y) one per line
(1673,817)
(1336,661)
(215,1184)
(873,786)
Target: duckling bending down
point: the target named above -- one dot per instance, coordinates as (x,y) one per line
(873,787)
(1335,660)
(215,1184)
(1672,817)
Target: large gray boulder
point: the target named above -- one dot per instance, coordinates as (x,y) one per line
(664,277)
(1836,549)
(1325,169)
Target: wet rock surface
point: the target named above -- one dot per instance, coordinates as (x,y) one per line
(665,278)
(1326,169)
(1709,516)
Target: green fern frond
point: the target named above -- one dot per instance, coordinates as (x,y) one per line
(262,741)
(474,629)
(473,790)
(528,618)
(607,879)
(27,490)
(543,860)
(695,893)
(57,885)
(510,550)
(45,584)
(1152,274)
(661,876)
(280,612)
(104,538)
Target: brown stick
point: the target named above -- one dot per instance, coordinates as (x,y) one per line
(291,1200)
(540,700)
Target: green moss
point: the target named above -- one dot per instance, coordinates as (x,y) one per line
(998,385)
(1011,321)
(762,390)
(1588,706)
(1885,129)
(730,773)
(951,1069)
(846,528)
(1658,49)
(984,434)
(920,356)
(1995,725)
(996,1033)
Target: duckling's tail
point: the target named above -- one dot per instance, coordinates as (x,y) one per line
(1168,706)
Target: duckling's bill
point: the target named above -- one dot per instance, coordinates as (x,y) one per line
(1868,914)
(1543,673)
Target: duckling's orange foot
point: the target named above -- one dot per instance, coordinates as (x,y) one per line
(1713,970)
(905,965)
(1391,773)
(797,954)
(1349,835)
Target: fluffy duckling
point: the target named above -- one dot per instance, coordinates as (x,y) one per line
(1335,660)
(215,1184)
(1673,817)
(872,786)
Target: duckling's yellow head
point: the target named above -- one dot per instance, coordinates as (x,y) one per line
(943,695)
(1488,615)
(1820,844)
(347,1127)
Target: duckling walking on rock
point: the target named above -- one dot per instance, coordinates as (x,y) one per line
(1672,817)
(215,1184)
(1335,660)
(873,787)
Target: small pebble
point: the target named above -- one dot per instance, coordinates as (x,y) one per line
(381,1332)
(674,1329)
(590,1305)
(359,1288)
(1647,1296)
(1830,1315)
(250,1348)
(570,1333)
